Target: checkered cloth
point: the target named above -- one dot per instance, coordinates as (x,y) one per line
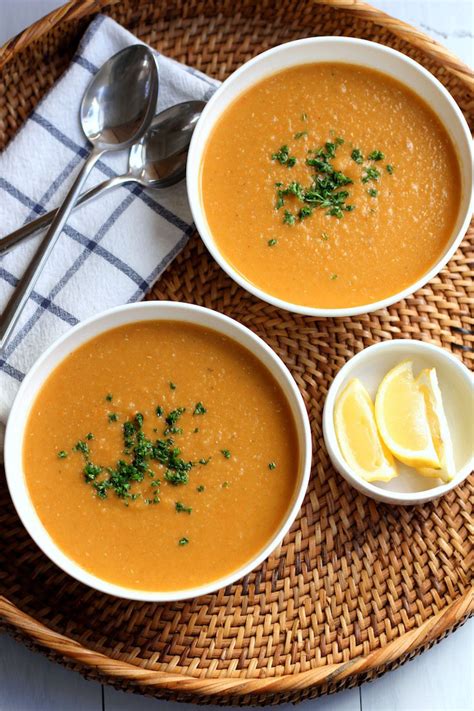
(112,250)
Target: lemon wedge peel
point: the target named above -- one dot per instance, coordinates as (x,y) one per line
(358,437)
(427,382)
(402,419)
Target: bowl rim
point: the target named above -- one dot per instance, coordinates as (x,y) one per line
(16,480)
(330,438)
(197,147)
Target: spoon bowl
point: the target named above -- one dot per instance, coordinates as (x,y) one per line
(120,101)
(159,160)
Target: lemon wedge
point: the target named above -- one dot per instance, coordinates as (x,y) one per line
(359,440)
(402,418)
(427,382)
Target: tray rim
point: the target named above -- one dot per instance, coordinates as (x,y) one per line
(411,642)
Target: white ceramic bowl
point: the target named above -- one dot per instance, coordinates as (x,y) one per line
(457,389)
(152,310)
(352,51)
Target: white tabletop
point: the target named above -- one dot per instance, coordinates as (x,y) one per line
(441,679)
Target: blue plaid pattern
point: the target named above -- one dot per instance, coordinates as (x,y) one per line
(110,252)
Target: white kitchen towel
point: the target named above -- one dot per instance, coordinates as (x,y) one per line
(112,250)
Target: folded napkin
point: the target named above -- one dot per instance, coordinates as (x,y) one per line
(112,250)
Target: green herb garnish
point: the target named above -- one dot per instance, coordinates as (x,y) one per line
(283,157)
(200,488)
(371,173)
(324,236)
(304,116)
(389,169)
(62,454)
(199,409)
(183,541)
(288,218)
(272,466)
(109,397)
(376,155)
(372,192)
(301,134)
(272,242)
(357,156)
(113,417)
(225,485)
(89,436)
(172,386)
(181,508)
(159,411)
(333,276)
(226,453)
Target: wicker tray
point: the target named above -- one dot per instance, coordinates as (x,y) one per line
(357,587)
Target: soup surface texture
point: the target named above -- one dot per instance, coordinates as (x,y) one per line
(216,479)
(330,185)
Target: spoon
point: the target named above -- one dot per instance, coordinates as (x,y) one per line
(116,110)
(157,161)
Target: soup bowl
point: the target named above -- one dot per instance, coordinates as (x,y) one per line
(334,50)
(81,334)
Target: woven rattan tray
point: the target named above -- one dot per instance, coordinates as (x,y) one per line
(357,587)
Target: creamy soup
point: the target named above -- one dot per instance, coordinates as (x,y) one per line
(330,185)
(161,456)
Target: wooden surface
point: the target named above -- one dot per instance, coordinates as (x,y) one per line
(442,678)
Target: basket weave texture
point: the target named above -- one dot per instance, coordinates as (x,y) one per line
(356,587)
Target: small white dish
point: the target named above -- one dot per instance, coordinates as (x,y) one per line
(350,51)
(73,339)
(457,389)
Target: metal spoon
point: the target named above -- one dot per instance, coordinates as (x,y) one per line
(158,161)
(116,110)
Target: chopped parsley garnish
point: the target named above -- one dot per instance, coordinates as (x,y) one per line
(371,173)
(357,156)
(174,415)
(199,409)
(333,276)
(324,236)
(139,453)
(113,417)
(373,192)
(272,242)
(183,541)
(82,447)
(172,386)
(305,211)
(62,454)
(225,485)
(272,466)
(200,488)
(376,155)
(181,508)
(226,453)
(288,218)
(195,430)
(301,134)
(389,169)
(283,157)
(159,411)
(204,461)
(324,191)
(89,436)
(109,397)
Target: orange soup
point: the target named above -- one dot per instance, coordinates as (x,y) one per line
(161,456)
(330,186)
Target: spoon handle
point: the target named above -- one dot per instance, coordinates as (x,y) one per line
(7,242)
(25,286)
